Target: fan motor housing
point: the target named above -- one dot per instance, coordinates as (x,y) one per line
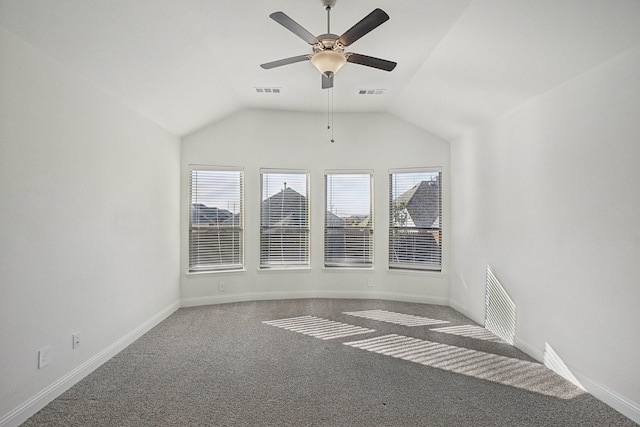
(328,41)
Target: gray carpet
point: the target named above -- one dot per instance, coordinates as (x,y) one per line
(224,366)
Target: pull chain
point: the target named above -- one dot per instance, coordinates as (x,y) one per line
(331,92)
(330,112)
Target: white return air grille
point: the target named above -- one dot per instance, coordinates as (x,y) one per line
(500,313)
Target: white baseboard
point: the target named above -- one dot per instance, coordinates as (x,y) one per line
(263,296)
(457,306)
(530,350)
(620,403)
(20,414)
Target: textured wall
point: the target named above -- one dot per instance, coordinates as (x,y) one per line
(89,230)
(548,196)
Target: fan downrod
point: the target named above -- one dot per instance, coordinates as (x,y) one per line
(328,4)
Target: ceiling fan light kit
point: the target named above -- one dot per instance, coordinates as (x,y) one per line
(329,49)
(328,61)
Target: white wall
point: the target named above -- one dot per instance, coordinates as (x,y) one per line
(254,139)
(89,229)
(549,196)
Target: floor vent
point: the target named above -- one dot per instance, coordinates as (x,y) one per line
(500,314)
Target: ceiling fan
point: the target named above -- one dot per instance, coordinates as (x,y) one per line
(329,49)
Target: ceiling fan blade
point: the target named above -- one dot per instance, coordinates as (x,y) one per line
(285,61)
(291,25)
(327,80)
(370,61)
(368,23)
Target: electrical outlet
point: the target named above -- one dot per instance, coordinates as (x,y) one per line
(76,340)
(44,357)
(221,286)
(370,283)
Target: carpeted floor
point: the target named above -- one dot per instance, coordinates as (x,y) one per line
(323,362)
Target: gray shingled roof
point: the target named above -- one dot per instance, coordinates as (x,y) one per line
(422,203)
(285,208)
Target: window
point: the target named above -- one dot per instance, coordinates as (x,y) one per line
(348,219)
(415,219)
(284,219)
(216,221)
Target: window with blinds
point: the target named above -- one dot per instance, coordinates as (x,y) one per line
(284,219)
(348,219)
(415,219)
(216,220)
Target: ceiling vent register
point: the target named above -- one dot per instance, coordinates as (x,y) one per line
(268,89)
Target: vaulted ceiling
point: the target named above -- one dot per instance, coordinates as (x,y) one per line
(186,63)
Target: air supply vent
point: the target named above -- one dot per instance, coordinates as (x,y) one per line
(268,89)
(371,91)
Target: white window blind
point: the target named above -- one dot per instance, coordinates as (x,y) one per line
(348,223)
(415,219)
(284,219)
(216,220)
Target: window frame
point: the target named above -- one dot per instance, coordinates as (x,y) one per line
(235,227)
(366,244)
(417,232)
(265,259)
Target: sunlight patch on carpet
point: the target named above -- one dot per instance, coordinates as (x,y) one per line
(553,361)
(470,331)
(396,318)
(492,367)
(318,327)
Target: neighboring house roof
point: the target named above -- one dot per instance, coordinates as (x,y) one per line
(285,208)
(203,214)
(366,222)
(233,220)
(422,204)
(333,220)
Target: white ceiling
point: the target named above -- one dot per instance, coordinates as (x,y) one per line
(186,63)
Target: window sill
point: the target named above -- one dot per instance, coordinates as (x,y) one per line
(203,273)
(349,269)
(417,272)
(302,269)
